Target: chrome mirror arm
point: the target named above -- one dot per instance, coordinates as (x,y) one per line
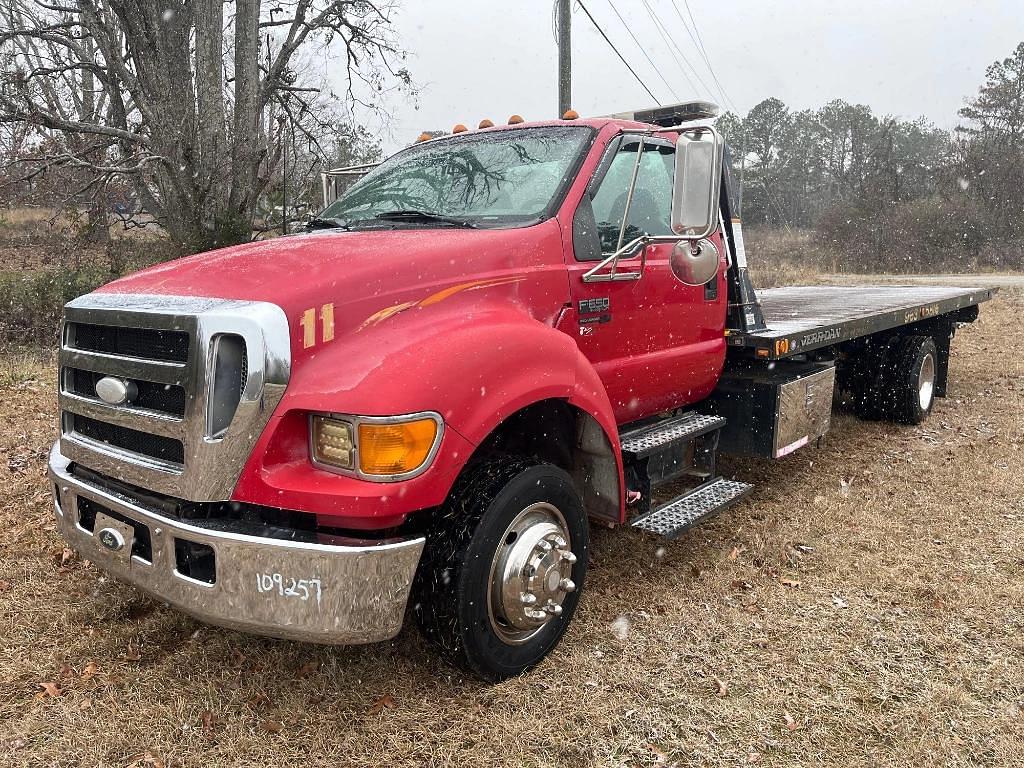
(629,197)
(595,275)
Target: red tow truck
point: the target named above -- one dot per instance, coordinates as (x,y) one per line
(490,342)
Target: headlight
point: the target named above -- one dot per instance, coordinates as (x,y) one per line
(332,442)
(377,448)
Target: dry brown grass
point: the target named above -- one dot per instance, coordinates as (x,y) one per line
(779,257)
(44,238)
(26,216)
(864,607)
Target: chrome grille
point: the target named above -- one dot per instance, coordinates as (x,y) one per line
(165,348)
(165,398)
(147,343)
(166,449)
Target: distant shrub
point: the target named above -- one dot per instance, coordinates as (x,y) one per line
(927,235)
(31,303)
(45,267)
(127,255)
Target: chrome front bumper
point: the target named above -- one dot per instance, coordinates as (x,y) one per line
(323,593)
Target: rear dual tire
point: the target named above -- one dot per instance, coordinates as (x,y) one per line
(898,382)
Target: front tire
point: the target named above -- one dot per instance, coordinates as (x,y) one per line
(503,567)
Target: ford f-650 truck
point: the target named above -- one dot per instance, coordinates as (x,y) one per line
(489,342)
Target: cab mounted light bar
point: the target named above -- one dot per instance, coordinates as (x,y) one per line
(671,115)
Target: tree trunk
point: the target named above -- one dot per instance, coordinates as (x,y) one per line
(212,163)
(246,140)
(98,224)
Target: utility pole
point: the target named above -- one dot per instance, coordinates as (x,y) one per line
(743,167)
(564,57)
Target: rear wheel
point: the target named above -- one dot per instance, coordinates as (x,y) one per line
(502,570)
(897,381)
(914,375)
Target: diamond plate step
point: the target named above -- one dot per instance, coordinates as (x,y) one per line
(674,517)
(646,440)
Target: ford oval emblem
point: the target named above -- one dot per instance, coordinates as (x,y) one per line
(114,391)
(111,539)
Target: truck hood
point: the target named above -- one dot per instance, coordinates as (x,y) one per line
(366,273)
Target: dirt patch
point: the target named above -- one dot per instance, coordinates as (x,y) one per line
(863,607)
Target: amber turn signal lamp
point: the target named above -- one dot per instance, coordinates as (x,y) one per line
(459,128)
(516,120)
(570,114)
(485,123)
(395,449)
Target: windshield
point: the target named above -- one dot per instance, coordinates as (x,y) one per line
(499,178)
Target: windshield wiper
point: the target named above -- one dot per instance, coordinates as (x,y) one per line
(329,223)
(409,215)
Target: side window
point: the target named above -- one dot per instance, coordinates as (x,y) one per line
(651,208)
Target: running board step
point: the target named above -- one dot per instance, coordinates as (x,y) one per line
(683,512)
(642,442)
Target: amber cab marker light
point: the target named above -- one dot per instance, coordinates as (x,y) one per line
(395,449)
(459,128)
(423,137)
(516,120)
(485,123)
(571,114)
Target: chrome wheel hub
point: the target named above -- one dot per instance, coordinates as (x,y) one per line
(926,382)
(530,574)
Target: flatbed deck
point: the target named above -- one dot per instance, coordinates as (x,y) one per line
(803,318)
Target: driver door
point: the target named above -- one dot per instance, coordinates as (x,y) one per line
(655,342)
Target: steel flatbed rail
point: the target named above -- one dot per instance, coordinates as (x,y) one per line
(804,318)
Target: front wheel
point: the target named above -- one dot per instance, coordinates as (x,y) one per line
(503,567)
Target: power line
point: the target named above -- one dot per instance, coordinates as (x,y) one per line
(696,43)
(621,57)
(699,42)
(703,50)
(643,51)
(676,52)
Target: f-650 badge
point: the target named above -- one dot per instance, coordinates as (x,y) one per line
(590,306)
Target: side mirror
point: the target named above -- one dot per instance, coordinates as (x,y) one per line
(697,183)
(694,262)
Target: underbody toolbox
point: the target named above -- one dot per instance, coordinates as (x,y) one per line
(771,412)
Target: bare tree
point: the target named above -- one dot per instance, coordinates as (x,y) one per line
(186,98)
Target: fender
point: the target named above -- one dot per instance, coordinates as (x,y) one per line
(475,371)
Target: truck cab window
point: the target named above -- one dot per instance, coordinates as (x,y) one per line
(651,207)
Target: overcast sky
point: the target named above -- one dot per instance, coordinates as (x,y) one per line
(481,58)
